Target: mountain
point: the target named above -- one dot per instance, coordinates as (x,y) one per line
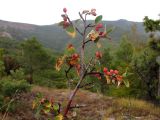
(55,37)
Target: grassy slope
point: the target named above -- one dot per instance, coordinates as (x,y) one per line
(98,107)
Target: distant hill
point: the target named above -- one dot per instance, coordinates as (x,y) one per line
(53,36)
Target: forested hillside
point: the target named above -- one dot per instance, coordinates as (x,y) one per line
(53,36)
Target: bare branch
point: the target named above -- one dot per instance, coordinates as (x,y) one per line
(75,26)
(67,71)
(87,41)
(90,25)
(94,73)
(85,85)
(81,17)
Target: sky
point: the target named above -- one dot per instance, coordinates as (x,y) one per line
(46,12)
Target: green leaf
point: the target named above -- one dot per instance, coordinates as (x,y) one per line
(56,107)
(48,104)
(125,74)
(69,52)
(46,110)
(59,117)
(98,19)
(126,82)
(70,29)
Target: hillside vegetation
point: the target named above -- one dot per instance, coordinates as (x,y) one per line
(49,35)
(31,67)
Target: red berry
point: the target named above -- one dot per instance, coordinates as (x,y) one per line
(108,73)
(119,78)
(93,12)
(64,10)
(65,24)
(105,70)
(100,25)
(98,55)
(101,33)
(111,71)
(97,29)
(75,56)
(116,72)
(98,76)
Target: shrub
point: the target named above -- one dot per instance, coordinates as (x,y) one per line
(8,90)
(1,100)
(118,92)
(17,74)
(8,86)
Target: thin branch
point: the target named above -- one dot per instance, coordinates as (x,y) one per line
(85,85)
(87,41)
(90,25)
(67,71)
(94,73)
(79,31)
(75,26)
(81,17)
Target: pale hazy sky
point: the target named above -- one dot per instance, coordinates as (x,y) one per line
(44,12)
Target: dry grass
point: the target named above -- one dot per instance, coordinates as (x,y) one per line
(98,107)
(139,105)
(124,109)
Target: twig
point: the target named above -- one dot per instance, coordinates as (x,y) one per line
(75,26)
(85,85)
(93,73)
(90,25)
(67,71)
(81,17)
(68,79)
(87,41)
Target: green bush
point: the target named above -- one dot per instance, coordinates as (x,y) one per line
(49,78)
(118,92)
(1,100)
(18,74)
(8,87)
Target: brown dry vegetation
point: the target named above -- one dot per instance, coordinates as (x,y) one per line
(97,107)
